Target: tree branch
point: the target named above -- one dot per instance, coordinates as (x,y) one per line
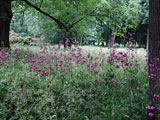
(60,24)
(72,25)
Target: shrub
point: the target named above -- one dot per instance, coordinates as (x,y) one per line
(24,40)
(116,45)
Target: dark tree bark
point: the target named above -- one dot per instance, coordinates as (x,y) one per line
(147,40)
(5,20)
(154,48)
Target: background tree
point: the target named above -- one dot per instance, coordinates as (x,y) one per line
(85,20)
(67,14)
(119,20)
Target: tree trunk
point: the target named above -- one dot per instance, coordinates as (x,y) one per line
(147,39)
(154,49)
(70,40)
(5,20)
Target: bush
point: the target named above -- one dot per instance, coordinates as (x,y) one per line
(24,40)
(116,45)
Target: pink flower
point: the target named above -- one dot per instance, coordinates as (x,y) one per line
(62,75)
(89,70)
(20,91)
(158,116)
(70,63)
(96,71)
(24,86)
(120,53)
(117,66)
(57,69)
(113,81)
(40,61)
(95,64)
(62,70)
(126,63)
(0,62)
(151,65)
(76,42)
(158,108)
(59,64)
(41,64)
(35,74)
(33,65)
(34,60)
(150,107)
(38,70)
(45,72)
(125,78)
(88,55)
(102,80)
(156,96)
(150,114)
(88,64)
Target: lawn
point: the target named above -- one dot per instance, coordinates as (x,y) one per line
(81,83)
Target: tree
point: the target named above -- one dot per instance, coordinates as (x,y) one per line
(69,14)
(154,49)
(18,25)
(142,28)
(65,13)
(119,16)
(5,20)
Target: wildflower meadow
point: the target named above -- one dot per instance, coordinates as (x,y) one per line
(77,83)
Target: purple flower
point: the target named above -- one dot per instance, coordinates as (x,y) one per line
(0,62)
(90,70)
(34,60)
(41,61)
(96,71)
(102,80)
(150,107)
(113,81)
(20,91)
(150,114)
(117,66)
(24,86)
(125,78)
(156,96)
(158,108)
(95,64)
(88,64)
(36,73)
(62,75)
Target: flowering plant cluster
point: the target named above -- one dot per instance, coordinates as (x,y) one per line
(74,83)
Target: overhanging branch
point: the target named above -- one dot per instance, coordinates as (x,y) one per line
(46,14)
(75,23)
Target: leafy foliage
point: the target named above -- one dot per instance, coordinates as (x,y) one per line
(86,20)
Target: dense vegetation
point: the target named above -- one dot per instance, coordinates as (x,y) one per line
(47,71)
(79,83)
